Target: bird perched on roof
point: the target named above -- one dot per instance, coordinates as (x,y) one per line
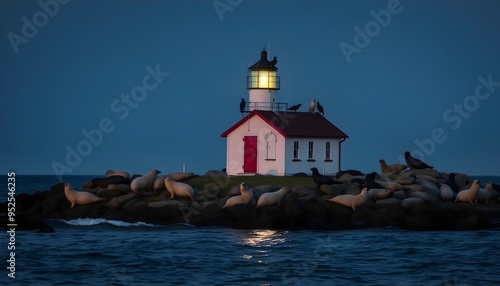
(274,61)
(320,109)
(394,168)
(242,105)
(322,179)
(295,107)
(415,163)
(312,106)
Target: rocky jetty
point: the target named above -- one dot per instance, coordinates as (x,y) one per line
(413,199)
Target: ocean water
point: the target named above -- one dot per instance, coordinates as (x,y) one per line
(101,252)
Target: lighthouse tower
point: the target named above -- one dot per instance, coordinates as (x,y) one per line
(263,85)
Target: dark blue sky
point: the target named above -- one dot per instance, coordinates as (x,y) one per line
(404,80)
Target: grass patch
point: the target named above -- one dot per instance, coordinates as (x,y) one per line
(226,183)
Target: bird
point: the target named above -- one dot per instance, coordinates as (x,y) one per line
(320,109)
(242,105)
(312,106)
(322,179)
(415,163)
(295,107)
(451,182)
(273,62)
(394,168)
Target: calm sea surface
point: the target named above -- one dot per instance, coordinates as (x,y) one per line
(100,252)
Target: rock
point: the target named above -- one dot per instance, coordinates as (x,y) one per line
(425,196)
(402,180)
(235,190)
(346,177)
(409,202)
(387,203)
(461,180)
(24,201)
(57,188)
(389,216)
(118,202)
(377,194)
(427,178)
(104,182)
(446,193)
(125,188)
(181,205)
(301,174)
(390,185)
(400,195)
(468,223)
(303,191)
(333,190)
(429,187)
(414,188)
(52,203)
(259,190)
(308,199)
(353,190)
(87,185)
(417,172)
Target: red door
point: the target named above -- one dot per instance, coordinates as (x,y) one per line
(250,159)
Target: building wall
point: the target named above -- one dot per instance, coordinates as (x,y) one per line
(319,152)
(261,99)
(255,126)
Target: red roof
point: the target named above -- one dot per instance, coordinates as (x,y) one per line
(294,124)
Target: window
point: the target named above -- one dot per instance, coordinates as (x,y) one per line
(311,150)
(296,149)
(327,154)
(270,146)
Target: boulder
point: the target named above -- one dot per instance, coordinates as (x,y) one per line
(333,190)
(417,172)
(387,203)
(425,196)
(303,191)
(409,202)
(427,178)
(118,202)
(402,180)
(446,193)
(377,194)
(180,177)
(215,174)
(400,195)
(390,185)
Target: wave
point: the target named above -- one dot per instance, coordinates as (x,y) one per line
(97,221)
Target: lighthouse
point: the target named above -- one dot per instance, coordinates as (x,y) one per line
(263,84)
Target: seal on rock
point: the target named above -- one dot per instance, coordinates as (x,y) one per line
(393,168)
(451,182)
(415,163)
(124,174)
(377,194)
(144,182)
(272,198)
(322,179)
(80,198)
(370,181)
(111,180)
(483,195)
(159,184)
(469,195)
(179,189)
(351,200)
(245,197)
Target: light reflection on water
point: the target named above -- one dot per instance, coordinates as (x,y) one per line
(260,242)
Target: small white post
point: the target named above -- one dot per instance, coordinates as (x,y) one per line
(184,167)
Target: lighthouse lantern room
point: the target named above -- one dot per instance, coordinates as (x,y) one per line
(263,84)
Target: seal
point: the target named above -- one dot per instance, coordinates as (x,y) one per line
(144,182)
(178,189)
(378,194)
(415,163)
(370,181)
(483,195)
(322,179)
(272,198)
(124,174)
(451,182)
(446,193)
(159,184)
(111,180)
(80,198)
(351,200)
(393,168)
(469,195)
(245,197)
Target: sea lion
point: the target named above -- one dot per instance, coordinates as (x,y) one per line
(124,174)
(483,195)
(469,195)
(144,182)
(370,181)
(111,180)
(178,189)
(159,184)
(394,168)
(80,198)
(377,194)
(322,179)
(351,200)
(245,197)
(415,163)
(272,198)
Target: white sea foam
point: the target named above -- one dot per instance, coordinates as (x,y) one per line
(96,221)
